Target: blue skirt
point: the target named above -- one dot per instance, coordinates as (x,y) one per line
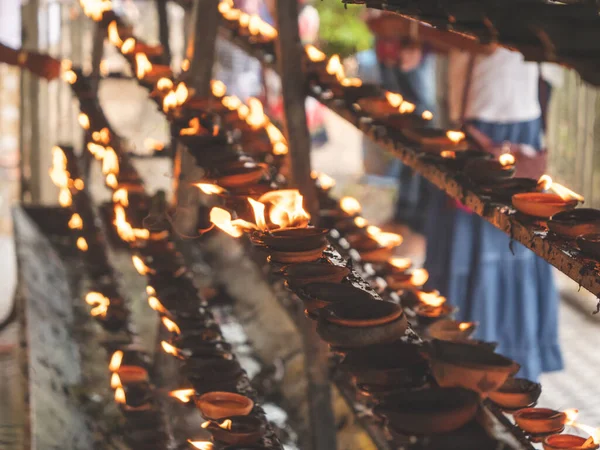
(500,284)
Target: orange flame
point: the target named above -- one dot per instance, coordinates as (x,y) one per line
(218,88)
(210,189)
(96,150)
(84,121)
(64,198)
(335,67)
(169,102)
(433,299)
(95,9)
(419,277)
(406,108)
(449,154)
(385,239)
(164,84)
(351,82)
(243,112)
(111,181)
(546,183)
(156,305)
(99,302)
(183,395)
(394,99)
(110,162)
(571,415)
(464,326)
(325,181)
(170,325)
(70,77)
(102,136)
(277,139)
(170,349)
(82,244)
(361,222)
(427,115)
(185,65)
(257,118)
(121,196)
(182,93)
(139,265)
(120,396)
(113,34)
(150,290)
(128,46)
(153,144)
(257,26)
(143,66)
(350,205)
(75,222)
(594,433)
(222,219)
(202,445)
(259,214)
(455,136)
(115,381)
(193,130)
(79,184)
(231,102)
(115,361)
(506,159)
(124,229)
(400,263)
(314,54)
(286,208)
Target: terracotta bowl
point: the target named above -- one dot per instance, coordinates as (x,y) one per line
(132,374)
(427,315)
(541,204)
(516,393)
(480,170)
(567,442)
(361,313)
(471,367)
(245,430)
(429,411)
(219,405)
(589,244)
(242,174)
(313,272)
(397,364)
(295,239)
(432,137)
(573,223)
(291,257)
(353,337)
(321,294)
(449,330)
(540,420)
(376,107)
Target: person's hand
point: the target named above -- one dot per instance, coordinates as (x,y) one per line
(410,58)
(43,65)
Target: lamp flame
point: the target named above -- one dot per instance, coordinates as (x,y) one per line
(70,77)
(128,46)
(202,445)
(335,67)
(394,99)
(571,415)
(231,102)
(121,196)
(183,395)
(406,108)
(448,154)
(259,214)
(506,159)
(361,222)
(210,189)
(433,299)
(150,290)
(139,265)
(182,93)
(350,205)
(594,433)
(325,181)
(170,349)
(546,183)
(111,181)
(419,277)
(427,115)
(75,222)
(115,381)
(169,102)
(99,302)
(455,136)
(383,238)
(113,34)
(120,396)
(218,88)
(84,121)
(170,325)
(115,361)
(143,66)
(110,162)
(464,326)
(164,84)
(222,219)
(95,9)
(193,130)
(286,208)
(64,198)
(156,305)
(82,244)
(256,118)
(400,263)
(314,54)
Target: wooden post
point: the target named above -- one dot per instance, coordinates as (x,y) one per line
(201,54)
(163,29)
(289,57)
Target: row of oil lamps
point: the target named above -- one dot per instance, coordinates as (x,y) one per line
(354,324)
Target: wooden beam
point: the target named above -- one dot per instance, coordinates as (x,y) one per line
(290,55)
(316,352)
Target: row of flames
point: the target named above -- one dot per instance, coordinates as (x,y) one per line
(248,23)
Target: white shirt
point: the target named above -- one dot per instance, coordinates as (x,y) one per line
(503,88)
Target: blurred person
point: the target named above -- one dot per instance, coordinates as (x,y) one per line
(500,284)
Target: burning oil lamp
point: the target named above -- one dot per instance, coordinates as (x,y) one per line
(540,421)
(576,222)
(516,393)
(407,280)
(451,330)
(435,138)
(237,430)
(95,9)
(323,181)
(484,170)
(304,273)
(397,265)
(544,205)
(183,395)
(219,405)
(432,306)
(571,442)
(201,445)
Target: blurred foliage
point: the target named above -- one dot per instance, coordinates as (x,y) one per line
(342,31)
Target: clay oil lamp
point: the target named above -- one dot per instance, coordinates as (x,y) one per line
(485,170)
(407,280)
(290,245)
(323,182)
(468,366)
(341,218)
(396,364)
(220,405)
(589,244)
(205,374)
(312,272)
(317,295)
(570,224)
(516,393)
(544,205)
(429,411)
(433,138)
(451,330)
(373,244)
(504,190)
(237,430)
(315,63)
(543,421)
(396,265)
(360,323)
(431,307)
(572,442)
(389,104)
